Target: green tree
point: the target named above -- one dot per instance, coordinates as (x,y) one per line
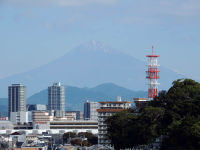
(126,129)
(119,128)
(182,115)
(174,114)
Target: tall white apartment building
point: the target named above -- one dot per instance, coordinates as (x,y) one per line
(56,99)
(108,108)
(90,110)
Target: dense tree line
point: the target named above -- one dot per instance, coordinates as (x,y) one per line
(174,115)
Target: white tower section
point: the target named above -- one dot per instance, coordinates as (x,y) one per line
(152,75)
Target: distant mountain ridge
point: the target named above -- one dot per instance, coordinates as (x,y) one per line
(75,97)
(3,105)
(89,64)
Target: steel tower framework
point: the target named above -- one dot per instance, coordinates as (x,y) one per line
(152,75)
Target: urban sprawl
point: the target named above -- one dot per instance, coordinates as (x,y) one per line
(42,127)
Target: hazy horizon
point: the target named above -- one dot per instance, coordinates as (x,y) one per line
(45,30)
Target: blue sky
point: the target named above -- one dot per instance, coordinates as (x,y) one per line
(35,32)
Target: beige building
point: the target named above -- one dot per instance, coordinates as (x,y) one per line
(41,120)
(69,116)
(108,108)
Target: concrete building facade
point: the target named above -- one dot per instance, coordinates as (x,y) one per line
(140,103)
(79,114)
(56,99)
(90,110)
(41,119)
(19,117)
(76,124)
(108,108)
(16,98)
(32,107)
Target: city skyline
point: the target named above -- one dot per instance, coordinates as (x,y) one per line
(145,53)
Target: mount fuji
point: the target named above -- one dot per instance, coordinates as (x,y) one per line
(89,65)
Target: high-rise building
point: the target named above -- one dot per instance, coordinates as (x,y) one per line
(16,98)
(90,110)
(56,99)
(108,108)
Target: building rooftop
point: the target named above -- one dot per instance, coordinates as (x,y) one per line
(18,84)
(140,99)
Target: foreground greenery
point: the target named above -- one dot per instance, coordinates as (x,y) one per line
(174,114)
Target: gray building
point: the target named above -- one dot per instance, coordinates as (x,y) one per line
(32,107)
(90,110)
(19,117)
(16,98)
(4,124)
(56,99)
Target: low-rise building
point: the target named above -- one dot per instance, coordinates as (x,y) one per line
(69,116)
(41,120)
(4,125)
(79,114)
(78,124)
(19,117)
(34,107)
(26,126)
(140,103)
(32,145)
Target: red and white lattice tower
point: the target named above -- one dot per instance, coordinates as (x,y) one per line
(152,75)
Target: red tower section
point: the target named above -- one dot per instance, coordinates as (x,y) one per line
(152,75)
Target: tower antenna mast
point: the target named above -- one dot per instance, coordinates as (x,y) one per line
(152,75)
